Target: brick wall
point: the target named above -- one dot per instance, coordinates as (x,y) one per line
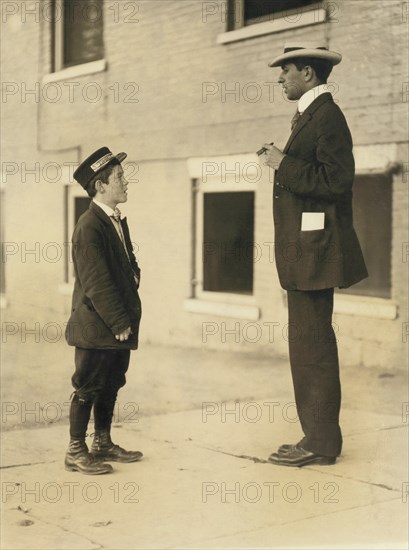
(170,62)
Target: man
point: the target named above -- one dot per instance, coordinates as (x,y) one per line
(106,312)
(316,245)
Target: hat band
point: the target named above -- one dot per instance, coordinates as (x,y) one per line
(102,162)
(287,50)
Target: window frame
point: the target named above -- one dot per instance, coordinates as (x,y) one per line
(73,191)
(313,14)
(370,159)
(238,7)
(241,306)
(58,67)
(367,289)
(226,297)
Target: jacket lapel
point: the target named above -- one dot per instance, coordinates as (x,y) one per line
(115,238)
(303,121)
(125,231)
(306,117)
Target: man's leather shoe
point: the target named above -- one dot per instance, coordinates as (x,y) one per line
(287,447)
(78,459)
(284,448)
(103,448)
(298,457)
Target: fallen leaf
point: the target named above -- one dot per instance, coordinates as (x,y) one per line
(101,523)
(24,510)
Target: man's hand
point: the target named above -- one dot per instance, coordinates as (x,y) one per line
(273,156)
(124,335)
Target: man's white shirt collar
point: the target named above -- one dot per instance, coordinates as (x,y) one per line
(307,98)
(107,209)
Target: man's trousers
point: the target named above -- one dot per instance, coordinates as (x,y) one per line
(98,376)
(315,369)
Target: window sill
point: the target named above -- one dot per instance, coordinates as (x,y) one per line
(376,308)
(310,17)
(238,311)
(77,70)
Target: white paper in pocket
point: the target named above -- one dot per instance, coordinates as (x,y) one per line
(311,221)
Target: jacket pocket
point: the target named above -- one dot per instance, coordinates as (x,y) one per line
(86,329)
(320,245)
(314,236)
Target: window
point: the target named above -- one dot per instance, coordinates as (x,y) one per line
(228,241)
(224,250)
(372,205)
(78,32)
(223,238)
(248,12)
(77,202)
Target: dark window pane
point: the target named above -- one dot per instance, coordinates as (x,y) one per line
(83,27)
(228,242)
(81,205)
(373,223)
(254,9)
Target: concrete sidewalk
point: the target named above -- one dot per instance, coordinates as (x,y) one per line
(203,482)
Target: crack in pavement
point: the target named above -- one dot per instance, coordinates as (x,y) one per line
(256,460)
(380,485)
(28,464)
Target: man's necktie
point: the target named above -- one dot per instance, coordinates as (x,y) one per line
(295,119)
(117,215)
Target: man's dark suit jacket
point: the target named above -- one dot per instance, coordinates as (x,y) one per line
(317,176)
(105,300)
